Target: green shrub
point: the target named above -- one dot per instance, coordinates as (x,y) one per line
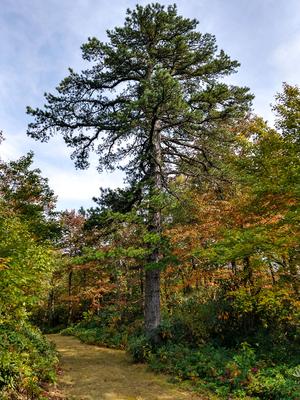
(98,335)
(26,360)
(237,373)
(193,318)
(70,331)
(273,383)
(140,348)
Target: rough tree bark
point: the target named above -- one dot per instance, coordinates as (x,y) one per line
(152,275)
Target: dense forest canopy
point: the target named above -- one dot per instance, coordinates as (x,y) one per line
(193,265)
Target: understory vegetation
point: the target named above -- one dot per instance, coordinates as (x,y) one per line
(208,353)
(192,266)
(27,360)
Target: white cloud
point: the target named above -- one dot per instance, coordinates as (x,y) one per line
(287,59)
(8,151)
(79,185)
(262,105)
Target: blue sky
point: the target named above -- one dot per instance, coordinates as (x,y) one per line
(39,40)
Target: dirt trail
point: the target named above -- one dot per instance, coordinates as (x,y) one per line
(96,373)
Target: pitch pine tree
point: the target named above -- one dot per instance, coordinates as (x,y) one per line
(153,103)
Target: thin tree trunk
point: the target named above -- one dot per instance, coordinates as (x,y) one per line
(248,273)
(233,267)
(294,274)
(51,308)
(70,310)
(142,282)
(196,272)
(272,273)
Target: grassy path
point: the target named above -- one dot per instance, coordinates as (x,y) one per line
(96,373)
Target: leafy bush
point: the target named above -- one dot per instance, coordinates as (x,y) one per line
(26,360)
(140,348)
(274,383)
(194,318)
(237,373)
(98,334)
(233,315)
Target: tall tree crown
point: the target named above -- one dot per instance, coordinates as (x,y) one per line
(155,74)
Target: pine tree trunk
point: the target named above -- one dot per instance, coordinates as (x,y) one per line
(152,276)
(152,300)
